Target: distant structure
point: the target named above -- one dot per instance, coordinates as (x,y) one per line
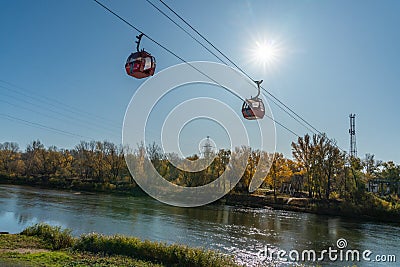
(352,132)
(207,149)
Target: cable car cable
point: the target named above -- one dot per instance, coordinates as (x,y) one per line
(234,64)
(204,38)
(188,33)
(240,69)
(165,48)
(183,60)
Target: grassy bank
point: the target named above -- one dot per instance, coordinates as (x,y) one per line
(44,245)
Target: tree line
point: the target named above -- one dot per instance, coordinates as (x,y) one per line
(318,169)
(90,163)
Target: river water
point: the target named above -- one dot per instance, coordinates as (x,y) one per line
(254,236)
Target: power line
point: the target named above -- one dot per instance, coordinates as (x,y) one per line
(183,60)
(72,118)
(21,91)
(34,111)
(41,126)
(50,101)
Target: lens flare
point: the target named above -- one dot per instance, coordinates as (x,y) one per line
(266,53)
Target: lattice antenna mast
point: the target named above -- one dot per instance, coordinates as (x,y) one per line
(207,148)
(352,132)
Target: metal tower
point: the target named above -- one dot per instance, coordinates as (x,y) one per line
(207,148)
(352,132)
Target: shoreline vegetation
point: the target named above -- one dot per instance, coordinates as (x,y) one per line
(45,245)
(376,211)
(319,179)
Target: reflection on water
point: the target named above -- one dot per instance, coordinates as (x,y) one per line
(242,232)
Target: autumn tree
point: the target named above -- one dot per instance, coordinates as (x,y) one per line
(370,165)
(83,163)
(330,160)
(279,172)
(302,151)
(390,170)
(10,159)
(321,161)
(34,159)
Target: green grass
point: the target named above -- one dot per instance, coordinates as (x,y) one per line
(50,258)
(70,259)
(22,241)
(44,245)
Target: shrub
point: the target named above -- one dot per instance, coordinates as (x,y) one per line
(176,255)
(170,255)
(53,235)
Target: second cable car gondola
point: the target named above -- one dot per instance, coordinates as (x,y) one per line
(253,108)
(140,64)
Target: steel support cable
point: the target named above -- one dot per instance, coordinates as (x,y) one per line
(233,63)
(183,60)
(308,125)
(188,33)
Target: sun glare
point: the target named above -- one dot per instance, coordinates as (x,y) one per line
(266,53)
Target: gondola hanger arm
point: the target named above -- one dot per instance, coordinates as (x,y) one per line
(139,38)
(258,87)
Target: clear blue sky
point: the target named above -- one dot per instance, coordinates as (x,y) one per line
(335,58)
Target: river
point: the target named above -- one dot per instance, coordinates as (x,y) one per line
(252,235)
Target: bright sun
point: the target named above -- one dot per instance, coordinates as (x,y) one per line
(266,53)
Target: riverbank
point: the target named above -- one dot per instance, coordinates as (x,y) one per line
(76,185)
(370,208)
(44,245)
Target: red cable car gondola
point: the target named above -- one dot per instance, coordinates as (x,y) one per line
(140,64)
(253,108)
